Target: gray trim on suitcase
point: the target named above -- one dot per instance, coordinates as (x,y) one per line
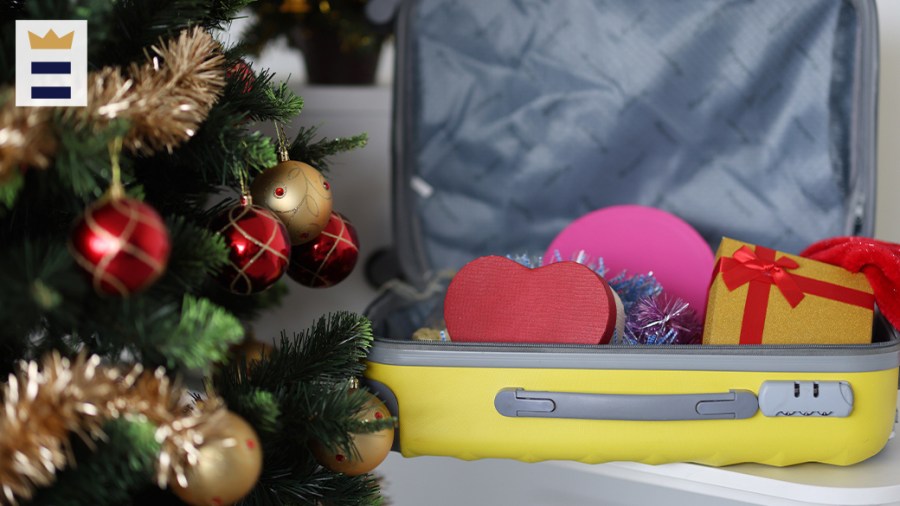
(861,219)
(832,399)
(410,251)
(824,359)
(520,403)
(387,396)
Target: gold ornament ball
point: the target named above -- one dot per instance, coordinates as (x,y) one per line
(298,194)
(228,467)
(373,447)
(250,350)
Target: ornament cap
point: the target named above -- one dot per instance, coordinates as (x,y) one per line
(283,155)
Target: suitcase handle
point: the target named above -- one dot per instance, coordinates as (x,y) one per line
(517,402)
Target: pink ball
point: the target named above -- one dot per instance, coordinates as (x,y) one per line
(639,240)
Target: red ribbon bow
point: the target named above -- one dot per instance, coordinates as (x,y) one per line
(746,266)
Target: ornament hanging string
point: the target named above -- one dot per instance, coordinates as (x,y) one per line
(282,142)
(246,198)
(116,190)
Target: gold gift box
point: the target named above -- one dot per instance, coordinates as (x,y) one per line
(763,296)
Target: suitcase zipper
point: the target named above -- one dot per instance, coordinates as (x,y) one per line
(692,349)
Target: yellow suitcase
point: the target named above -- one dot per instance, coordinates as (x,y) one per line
(777,405)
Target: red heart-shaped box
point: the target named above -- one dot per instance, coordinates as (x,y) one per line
(494,299)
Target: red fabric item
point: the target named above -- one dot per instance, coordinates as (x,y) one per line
(878,260)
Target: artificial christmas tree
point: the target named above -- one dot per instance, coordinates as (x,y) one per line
(110,280)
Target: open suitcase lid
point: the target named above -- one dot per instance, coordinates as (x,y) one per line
(513,118)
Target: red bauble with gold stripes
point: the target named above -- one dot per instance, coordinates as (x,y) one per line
(259,248)
(329,258)
(122,243)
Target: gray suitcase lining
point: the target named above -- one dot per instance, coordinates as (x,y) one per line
(754,120)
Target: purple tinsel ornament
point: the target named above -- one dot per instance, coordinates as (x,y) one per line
(662,320)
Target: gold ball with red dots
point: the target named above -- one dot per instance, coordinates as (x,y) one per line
(372,447)
(298,195)
(228,465)
(250,351)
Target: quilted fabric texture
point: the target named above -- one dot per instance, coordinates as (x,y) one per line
(741,117)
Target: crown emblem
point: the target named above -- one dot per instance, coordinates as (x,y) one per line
(51,40)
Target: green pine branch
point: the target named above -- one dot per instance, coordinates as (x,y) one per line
(137,24)
(9,191)
(327,414)
(83,158)
(49,9)
(300,392)
(342,490)
(202,335)
(120,466)
(289,487)
(8,46)
(316,152)
(319,487)
(259,408)
(283,104)
(197,254)
(218,153)
(253,93)
(39,280)
(331,350)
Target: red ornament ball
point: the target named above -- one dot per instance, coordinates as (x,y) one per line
(258,248)
(242,73)
(122,243)
(329,258)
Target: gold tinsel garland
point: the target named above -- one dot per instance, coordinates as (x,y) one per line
(44,404)
(164,101)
